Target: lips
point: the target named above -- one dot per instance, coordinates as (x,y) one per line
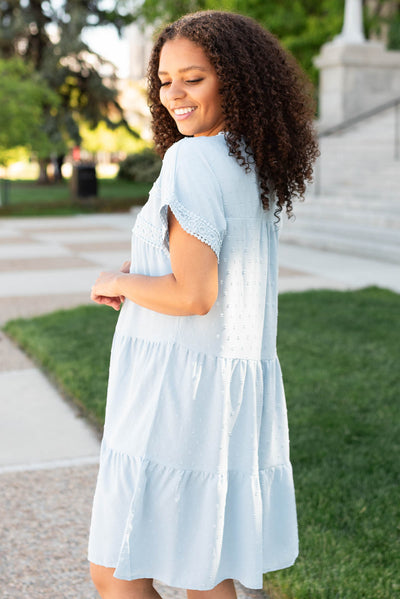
(183,111)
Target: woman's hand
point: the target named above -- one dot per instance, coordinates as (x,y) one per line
(104,292)
(114,302)
(190,289)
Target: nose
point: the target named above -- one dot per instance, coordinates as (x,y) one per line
(175,90)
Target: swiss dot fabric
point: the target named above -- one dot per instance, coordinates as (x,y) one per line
(195,481)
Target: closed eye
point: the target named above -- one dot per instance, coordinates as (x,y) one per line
(188,81)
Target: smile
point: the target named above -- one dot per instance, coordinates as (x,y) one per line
(182,111)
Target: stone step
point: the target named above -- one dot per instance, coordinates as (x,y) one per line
(360,162)
(378,247)
(342,228)
(367,192)
(381,131)
(366,219)
(349,201)
(359,171)
(361,187)
(344,214)
(382,136)
(382,120)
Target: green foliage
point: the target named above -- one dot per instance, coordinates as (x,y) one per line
(384,15)
(84,82)
(394,32)
(24,97)
(111,140)
(339,353)
(302,26)
(143,166)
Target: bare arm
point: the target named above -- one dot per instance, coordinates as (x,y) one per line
(191,288)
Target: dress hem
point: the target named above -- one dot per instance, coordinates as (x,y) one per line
(183,585)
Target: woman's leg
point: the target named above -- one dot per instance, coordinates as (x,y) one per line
(109,587)
(223,590)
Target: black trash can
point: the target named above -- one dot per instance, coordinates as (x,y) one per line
(84,181)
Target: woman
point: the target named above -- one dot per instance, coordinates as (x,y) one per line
(195,484)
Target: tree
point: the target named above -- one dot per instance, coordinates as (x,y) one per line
(383,20)
(302,26)
(103,138)
(48,37)
(24,98)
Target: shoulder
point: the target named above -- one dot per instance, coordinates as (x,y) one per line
(199,151)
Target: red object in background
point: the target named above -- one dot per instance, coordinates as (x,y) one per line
(76,153)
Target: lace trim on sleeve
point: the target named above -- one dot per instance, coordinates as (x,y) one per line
(192,223)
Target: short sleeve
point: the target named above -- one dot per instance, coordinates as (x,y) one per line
(191,189)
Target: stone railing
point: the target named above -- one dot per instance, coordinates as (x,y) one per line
(348,123)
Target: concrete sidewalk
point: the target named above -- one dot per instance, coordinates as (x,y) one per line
(48,453)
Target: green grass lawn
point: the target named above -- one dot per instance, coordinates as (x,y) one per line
(31,192)
(73,346)
(340,359)
(29,197)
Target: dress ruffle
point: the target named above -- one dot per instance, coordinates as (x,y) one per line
(195,483)
(187,523)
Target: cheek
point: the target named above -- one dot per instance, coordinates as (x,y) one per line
(215,99)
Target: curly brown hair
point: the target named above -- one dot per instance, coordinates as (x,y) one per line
(266,99)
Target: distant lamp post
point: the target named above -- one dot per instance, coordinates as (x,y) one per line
(353,30)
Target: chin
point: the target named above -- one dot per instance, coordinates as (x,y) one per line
(188,131)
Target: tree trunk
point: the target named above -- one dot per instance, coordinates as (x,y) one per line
(43,177)
(58,173)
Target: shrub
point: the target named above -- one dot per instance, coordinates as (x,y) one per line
(142,167)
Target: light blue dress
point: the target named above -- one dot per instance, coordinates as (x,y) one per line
(195,482)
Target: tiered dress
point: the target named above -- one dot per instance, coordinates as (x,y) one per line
(195,482)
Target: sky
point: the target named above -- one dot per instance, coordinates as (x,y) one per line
(105,41)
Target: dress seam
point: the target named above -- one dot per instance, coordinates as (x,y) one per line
(207,472)
(198,353)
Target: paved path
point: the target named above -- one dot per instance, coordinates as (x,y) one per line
(48,453)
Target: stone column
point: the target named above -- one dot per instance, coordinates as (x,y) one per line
(353,30)
(356,75)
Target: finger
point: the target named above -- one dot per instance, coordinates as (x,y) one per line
(125,268)
(115,304)
(99,299)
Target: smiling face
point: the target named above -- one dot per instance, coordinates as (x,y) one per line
(190,88)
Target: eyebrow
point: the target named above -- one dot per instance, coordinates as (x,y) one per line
(191,68)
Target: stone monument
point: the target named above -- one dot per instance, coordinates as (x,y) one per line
(356,75)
